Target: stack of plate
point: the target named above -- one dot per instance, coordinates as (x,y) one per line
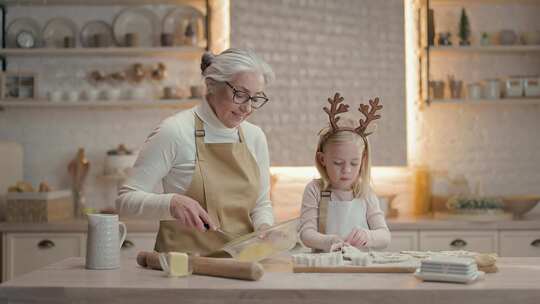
(449,269)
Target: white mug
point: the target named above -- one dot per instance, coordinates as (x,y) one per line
(73,96)
(474,91)
(105,237)
(55,96)
(492,89)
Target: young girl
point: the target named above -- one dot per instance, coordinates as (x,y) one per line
(341,207)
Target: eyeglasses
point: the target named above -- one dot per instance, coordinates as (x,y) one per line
(241,97)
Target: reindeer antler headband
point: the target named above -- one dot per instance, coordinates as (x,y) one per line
(337,107)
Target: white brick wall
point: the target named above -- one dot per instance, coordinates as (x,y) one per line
(319,47)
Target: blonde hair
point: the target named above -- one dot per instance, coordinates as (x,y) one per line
(362,185)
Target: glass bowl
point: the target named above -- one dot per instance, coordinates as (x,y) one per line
(265,243)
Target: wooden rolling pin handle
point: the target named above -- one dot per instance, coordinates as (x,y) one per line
(227,268)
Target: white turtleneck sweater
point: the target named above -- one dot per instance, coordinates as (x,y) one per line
(169,156)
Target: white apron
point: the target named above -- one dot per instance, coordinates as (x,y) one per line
(341,217)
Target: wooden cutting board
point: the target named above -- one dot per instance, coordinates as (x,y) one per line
(409,266)
(354,269)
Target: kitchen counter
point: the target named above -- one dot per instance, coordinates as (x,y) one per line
(68,282)
(402,223)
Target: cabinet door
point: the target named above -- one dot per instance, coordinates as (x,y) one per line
(25,252)
(136,242)
(403,240)
(519,243)
(479,241)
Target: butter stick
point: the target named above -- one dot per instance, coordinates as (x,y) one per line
(178,264)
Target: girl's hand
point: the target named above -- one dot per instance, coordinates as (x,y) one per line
(190,213)
(333,243)
(357,238)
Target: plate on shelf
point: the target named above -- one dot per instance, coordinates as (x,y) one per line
(97,33)
(140,21)
(56,30)
(177,20)
(21,25)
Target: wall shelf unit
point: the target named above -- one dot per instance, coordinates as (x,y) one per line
(433,54)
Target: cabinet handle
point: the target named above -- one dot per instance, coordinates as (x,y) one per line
(458,243)
(127,244)
(45,244)
(536,243)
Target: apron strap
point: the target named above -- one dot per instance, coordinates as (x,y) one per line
(199,137)
(323,210)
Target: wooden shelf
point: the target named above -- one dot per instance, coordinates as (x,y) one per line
(502,101)
(476,2)
(479,2)
(179,52)
(484,49)
(101,2)
(173,104)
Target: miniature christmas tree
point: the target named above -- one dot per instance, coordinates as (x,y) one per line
(464,29)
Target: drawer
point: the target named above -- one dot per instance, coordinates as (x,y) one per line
(519,243)
(25,252)
(479,241)
(403,240)
(136,242)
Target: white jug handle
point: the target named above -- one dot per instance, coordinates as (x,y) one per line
(123,233)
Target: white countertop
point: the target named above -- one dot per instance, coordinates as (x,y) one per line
(68,282)
(528,223)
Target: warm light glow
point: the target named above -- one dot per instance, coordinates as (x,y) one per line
(412,80)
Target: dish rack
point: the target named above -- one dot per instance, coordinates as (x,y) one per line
(449,269)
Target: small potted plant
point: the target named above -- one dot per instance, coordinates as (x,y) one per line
(464,29)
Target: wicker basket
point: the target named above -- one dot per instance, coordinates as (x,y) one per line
(39,206)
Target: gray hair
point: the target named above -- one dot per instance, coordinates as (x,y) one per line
(224,66)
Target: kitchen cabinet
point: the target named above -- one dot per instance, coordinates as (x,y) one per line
(479,241)
(403,240)
(519,243)
(29,246)
(24,252)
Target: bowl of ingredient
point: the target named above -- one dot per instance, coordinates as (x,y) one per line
(265,243)
(518,205)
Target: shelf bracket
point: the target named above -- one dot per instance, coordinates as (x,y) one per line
(3,58)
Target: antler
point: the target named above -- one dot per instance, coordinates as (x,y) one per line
(370,115)
(335,109)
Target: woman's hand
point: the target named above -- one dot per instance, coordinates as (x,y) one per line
(190,213)
(357,238)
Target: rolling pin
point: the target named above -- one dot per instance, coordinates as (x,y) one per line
(226,268)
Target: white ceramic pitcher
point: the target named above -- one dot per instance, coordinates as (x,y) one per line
(105,237)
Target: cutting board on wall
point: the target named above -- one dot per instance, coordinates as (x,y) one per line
(11,169)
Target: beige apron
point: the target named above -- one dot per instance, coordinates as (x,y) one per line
(226,184)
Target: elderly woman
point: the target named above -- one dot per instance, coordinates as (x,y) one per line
(213,165)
